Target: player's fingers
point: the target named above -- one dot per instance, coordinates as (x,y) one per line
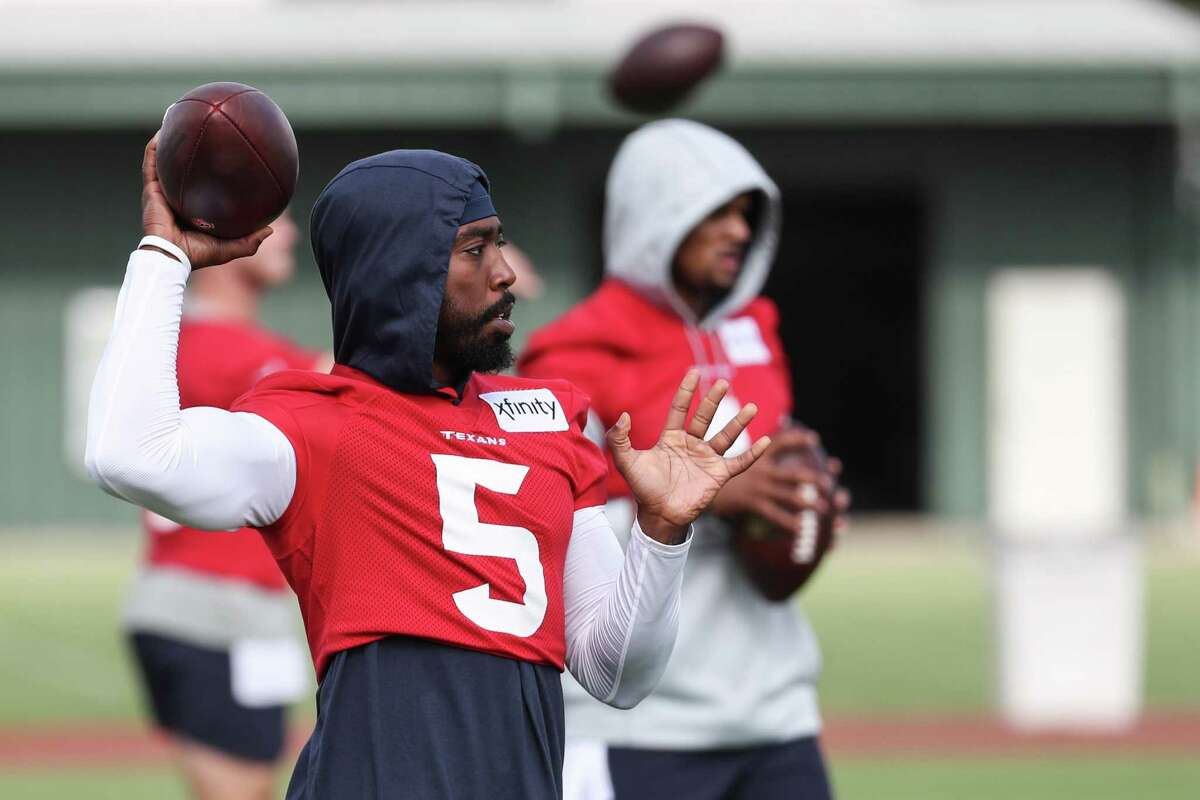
(247,245)
(725,437)
(260,236)
(787,499)
(814,438)
(793,474)
(153,199)
(834,465)
(841,500)
(698,427)
(807,436)
(739,464)
(778,516)
(795,498)
(150,161)
(618,439)
(800,474)
(682,401)
(791,439)
(207,251)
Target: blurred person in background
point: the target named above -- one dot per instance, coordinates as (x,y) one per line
(210,617)
(690,230)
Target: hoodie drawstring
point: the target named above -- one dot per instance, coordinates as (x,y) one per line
(712,367)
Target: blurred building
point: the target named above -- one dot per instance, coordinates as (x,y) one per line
(921,148)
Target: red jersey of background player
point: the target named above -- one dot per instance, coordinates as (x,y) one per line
(395,523)
(641,349)
(218,361)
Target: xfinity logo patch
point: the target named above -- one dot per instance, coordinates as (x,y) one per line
(526,410)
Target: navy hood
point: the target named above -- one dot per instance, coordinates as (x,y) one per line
(382,231)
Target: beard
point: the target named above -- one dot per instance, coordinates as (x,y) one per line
(461,340)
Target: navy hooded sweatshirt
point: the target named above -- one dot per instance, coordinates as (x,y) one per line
(382,231)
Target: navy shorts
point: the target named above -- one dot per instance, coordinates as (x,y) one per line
(792,770)
(190,692)
(410,718)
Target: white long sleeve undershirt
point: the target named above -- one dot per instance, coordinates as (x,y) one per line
(214,469)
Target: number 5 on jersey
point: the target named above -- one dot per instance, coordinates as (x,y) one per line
(462,532)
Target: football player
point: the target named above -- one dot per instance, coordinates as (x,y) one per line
(206,613)
(443,527)
(690,229)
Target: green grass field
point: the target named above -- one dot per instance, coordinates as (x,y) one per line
(904,624)
(855,779)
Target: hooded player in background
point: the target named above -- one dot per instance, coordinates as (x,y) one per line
(207,614)
(690,230)
(442,527)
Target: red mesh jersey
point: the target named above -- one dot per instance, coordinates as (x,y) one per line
(415,515)
(218,361)
(629,354)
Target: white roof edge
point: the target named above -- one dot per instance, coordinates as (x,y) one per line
(588,32)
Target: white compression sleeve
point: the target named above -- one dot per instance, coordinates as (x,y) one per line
(203,467)
(622,610)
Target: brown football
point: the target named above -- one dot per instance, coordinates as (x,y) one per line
(663,67)
(227,159)
(780,561)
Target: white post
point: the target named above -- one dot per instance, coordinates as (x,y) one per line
(1068,580)
(87,321)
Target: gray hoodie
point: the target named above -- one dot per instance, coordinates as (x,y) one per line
(743,670)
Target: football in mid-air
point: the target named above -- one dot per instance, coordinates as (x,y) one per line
(779,561)
(665,65)
(227,159)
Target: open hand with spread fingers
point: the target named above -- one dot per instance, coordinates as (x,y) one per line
(674,481)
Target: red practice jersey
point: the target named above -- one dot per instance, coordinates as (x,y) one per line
(416,515)
(630,354)
(219,361)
